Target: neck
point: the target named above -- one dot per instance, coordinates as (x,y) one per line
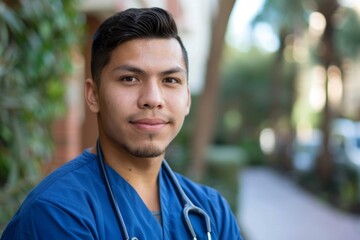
(140,173)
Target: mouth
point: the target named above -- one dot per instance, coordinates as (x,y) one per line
(149,124)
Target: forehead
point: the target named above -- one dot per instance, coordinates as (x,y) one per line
(149,53)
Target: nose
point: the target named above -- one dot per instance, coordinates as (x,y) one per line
(151,96)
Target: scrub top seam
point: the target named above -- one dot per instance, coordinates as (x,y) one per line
(37,195)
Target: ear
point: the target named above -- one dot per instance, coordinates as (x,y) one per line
(92,95)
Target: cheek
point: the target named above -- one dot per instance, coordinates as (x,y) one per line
(112,104)
(181,106)
(117,98)
(187,102)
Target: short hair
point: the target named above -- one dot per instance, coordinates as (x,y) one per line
(133,23)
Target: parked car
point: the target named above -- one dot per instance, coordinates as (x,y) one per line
(345,151)
(344,147)
(345,142)
(305,150)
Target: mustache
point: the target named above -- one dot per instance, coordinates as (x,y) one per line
(150,115)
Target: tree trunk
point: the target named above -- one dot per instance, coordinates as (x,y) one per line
(328,57)
(276,78)
(206,108)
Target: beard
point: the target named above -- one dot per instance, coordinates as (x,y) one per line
(145,151)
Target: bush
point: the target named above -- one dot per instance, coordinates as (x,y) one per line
(36,41)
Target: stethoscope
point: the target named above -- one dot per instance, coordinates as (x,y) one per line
(188,205)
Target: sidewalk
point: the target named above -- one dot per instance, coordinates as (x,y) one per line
(274,208)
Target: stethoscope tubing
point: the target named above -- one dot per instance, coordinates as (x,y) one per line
(187,203)
(189,206)
(113,202)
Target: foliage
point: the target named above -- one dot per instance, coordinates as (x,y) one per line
(246,90)
(293,14)
(347,36)
(36,41)
(340,40)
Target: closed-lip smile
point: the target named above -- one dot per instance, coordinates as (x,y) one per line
(149,124)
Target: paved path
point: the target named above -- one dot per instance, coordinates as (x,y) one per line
(274,208)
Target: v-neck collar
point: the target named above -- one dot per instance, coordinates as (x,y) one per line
(137,217)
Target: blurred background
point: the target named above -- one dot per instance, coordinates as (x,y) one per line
(275,120)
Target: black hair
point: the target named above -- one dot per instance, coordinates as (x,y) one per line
(133,23)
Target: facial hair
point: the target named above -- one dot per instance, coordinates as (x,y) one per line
(145,151)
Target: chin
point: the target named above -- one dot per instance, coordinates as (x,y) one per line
(146,151)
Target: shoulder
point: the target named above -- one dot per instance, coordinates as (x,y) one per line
(201,195)
(60,197)
(206,197)
(64,187)
(197,189)
(67,179)
(210,200)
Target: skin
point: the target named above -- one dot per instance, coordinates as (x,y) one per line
(140,104)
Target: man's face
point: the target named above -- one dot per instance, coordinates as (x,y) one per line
(143,96)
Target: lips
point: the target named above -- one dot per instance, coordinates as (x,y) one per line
(149,124)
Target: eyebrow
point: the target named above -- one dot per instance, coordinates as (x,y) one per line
(134,69)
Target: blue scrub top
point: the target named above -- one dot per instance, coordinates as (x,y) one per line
(72,203)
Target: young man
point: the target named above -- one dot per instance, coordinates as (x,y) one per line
(122,188)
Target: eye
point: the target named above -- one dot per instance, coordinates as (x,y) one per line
(171,80)
(129,79)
